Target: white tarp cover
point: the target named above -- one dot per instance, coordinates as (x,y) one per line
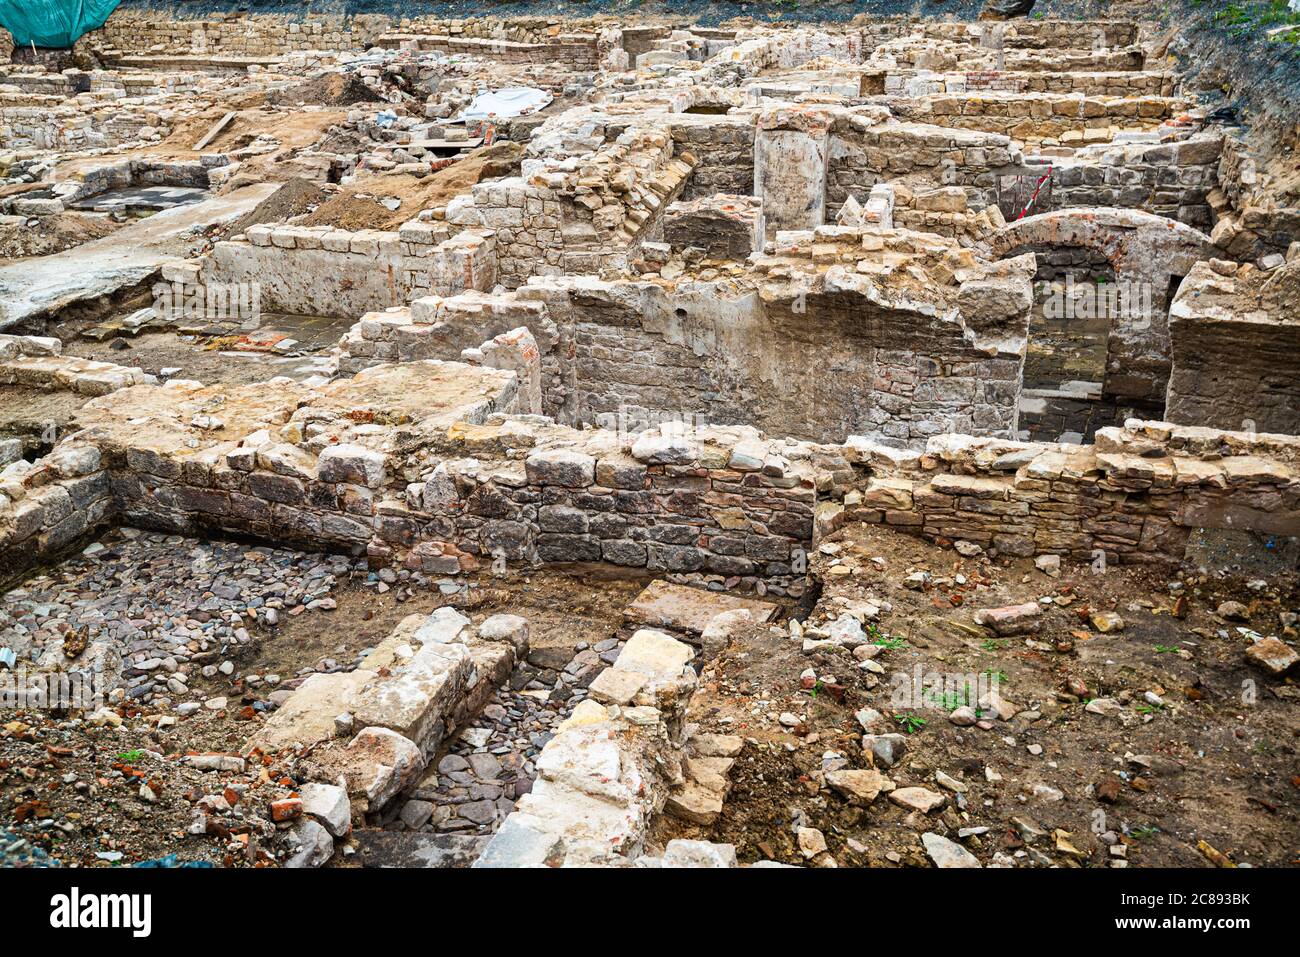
(506,103)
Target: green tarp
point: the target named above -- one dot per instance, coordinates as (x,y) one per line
(53,23)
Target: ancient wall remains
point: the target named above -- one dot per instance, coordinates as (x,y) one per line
(1235,339)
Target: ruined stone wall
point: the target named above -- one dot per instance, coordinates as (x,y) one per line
(49,503)
(1036,34)
(707,505)
(1135,495)
(576,54)
(561,217)
(950,56)
(724,149)
(863,154)
(56,126)
(455,327)
(1235,340)
(1119,83)
(1253,223)
(1038,116)
(322,271)
(279,461)
(614,353)
(261,35)
(1169,179)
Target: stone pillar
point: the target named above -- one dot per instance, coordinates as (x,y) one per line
(791,147)
(514,351)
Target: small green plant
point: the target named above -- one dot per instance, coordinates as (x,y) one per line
(993,644)
(878,637)
(999,676)
(1150,708)
(911,723)
(1166,649)
(130,757)
(1142,833)
(950,700)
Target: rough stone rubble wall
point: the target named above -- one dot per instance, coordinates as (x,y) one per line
(557,219)
(1235,341)
(716,504)
(1135,495)
(863,154)
(1040,115)
(260,35)
(1173,180)
(616,354)
(1118,83)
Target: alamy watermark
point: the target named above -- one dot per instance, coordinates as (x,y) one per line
(943,690)
(213,302)
(630,421)
(52,690)
(1130,301)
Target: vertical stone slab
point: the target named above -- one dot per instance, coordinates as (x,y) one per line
(791,147)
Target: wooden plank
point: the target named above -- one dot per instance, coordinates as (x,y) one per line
(212,133)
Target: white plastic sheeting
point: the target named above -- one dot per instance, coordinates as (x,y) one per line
(506,103)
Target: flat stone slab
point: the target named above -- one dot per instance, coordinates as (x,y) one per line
(408,849)
(47,284)
(689,610)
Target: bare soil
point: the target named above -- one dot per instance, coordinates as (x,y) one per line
(1214,763)
(53,234)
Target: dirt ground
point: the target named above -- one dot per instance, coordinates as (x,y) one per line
(72,785)
(293,130)
(332,89)
(359,207)
(39,417)
(1213,761)
(53,234)
(237,358)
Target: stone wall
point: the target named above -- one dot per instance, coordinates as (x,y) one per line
(1135,495)
(279,460)
(1116,83)
(1036,34)
(563,216)
(864,153)
(57,126)
(48,504)
(323,271)
(445,484)
(262,35)
(724,150)
(1173,180)
(1235,340)
(899,366)
(1031,117)
(576,53)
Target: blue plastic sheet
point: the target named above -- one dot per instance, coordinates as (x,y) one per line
(53,23)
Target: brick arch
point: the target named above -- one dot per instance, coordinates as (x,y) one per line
(1142,248)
